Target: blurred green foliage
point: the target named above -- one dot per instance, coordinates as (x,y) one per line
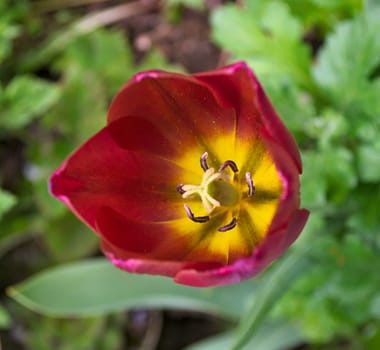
(332,106)
(319,61)
(24,98)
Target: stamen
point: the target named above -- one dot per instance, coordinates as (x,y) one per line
(191,216)
(229,163)
(251,187)
(229,226)
(179,189)
(203,161)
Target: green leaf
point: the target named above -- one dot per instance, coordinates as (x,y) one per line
(295,108)
(67,239)
(155,60)
(373,341)
(375,307)
(330,126)
(267,36)
(338,167)
(25,98)
(313,183)
(10,13)
(7,33)
(271,336)
(196,4)
(59,40)
(270,291)
(369,162)
(15,231)
(79,113)
(7,201)
(346,63)
(364,219)
(46,333)
(323,14)
(329,175)
(5,320)
(96,287)
(104,53)
(333,299)
(245,37)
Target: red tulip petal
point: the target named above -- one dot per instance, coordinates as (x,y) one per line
(277,242)
(134,238)
(238,87)
(174,240)
(271,248)
(208,275)
(288,173)
(100,173)
(180,108)
(122,182)
(136,265)
(139,134)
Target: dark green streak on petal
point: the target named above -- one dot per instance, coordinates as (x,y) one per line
(262,196)
(256,155)
(180,113)
(211,228)
(206,229)
(248,230)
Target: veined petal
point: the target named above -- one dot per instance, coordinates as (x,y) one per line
(238,87)
(194,177)
(209,274)
(135,265)
(182,109)
(142,239)
(271,247)
(274,244)
(288,175)
(141,135)
(100,173)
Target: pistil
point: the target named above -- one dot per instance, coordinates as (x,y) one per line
(208,201)
(217,189)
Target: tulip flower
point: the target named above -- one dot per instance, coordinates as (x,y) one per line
(194,177)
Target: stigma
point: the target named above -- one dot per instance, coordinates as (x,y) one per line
(202,190)
(217,189)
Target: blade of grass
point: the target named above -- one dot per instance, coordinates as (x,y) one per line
(270,291)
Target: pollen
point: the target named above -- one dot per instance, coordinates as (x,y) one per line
(208,201)
(217,189)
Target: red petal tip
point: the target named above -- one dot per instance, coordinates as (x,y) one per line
(148,74)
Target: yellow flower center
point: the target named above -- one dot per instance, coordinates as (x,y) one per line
(217,189)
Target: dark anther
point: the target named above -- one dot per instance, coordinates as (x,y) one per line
(251,187)
(191,216)
(180,189)
(203,161)
(229,226)
(229,163)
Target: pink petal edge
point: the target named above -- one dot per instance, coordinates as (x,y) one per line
(271,120)
(245,268)
(240,270)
